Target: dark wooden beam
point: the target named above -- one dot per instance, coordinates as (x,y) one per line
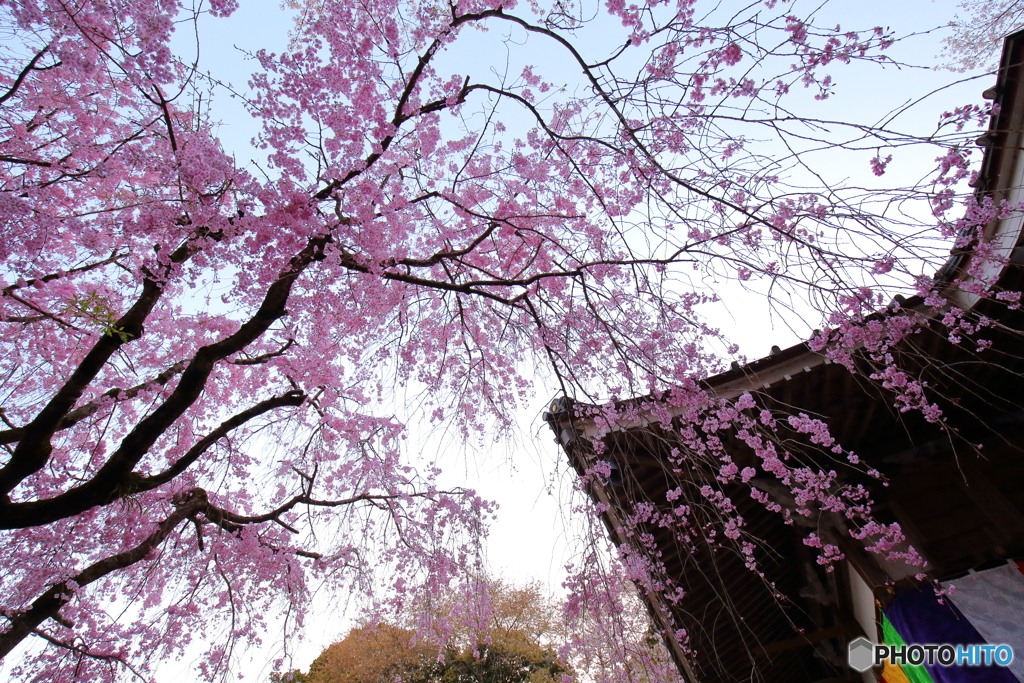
(801,640)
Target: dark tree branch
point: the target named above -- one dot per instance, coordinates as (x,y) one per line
(113,258)
(34,448)
(27,162)
(44,313)
(627,128)
(110,484)
(116,478)
(230,521)
(75,648)
(189,505)
(442,255)
(24,74)
(164,103)
(233,522)
(291,398)
(84,411)
(265,357)
(401,116)
(349,261)
(48,604)
(23,319)
(82,651)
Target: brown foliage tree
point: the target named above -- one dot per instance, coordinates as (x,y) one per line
(515,643)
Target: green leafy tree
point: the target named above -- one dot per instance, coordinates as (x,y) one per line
(514,659)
